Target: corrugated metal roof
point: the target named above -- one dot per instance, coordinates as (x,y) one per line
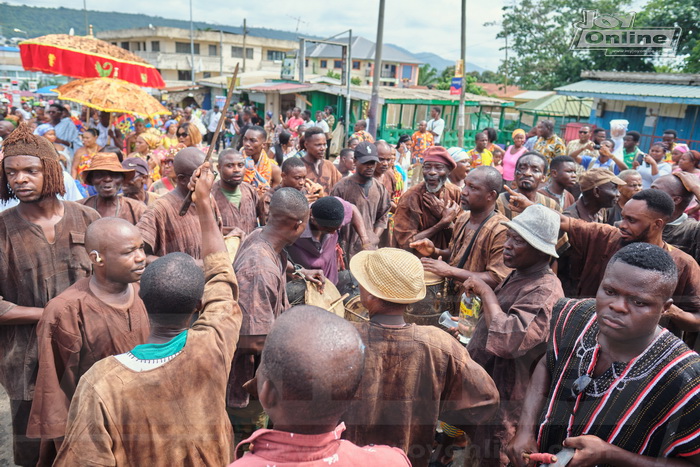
(533,95)
(645,92)
(362,49)
(558,105)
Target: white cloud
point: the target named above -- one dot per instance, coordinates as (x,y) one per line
(414,25)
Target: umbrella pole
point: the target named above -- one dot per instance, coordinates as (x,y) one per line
(188,199)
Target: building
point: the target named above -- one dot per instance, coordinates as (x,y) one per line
(216,52)
(399,69)
(651,102)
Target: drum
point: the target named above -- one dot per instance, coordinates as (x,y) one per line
(428,310)
(300,292)
(355,311)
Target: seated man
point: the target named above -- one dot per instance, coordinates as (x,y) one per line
(316,247)
(107,175)
(512,331)
(310,368)
(614,386)
(94,318)
(476,246)
(163,403)
(413,374)
(420,212)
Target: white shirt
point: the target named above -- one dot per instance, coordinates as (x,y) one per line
(437,127)
(323,125)
(214,121)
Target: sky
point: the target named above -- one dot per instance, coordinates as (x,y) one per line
(418,26)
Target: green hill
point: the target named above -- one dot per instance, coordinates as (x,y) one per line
(39,21)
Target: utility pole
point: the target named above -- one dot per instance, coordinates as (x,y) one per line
(348,101)
(505,67)
(460,113)
(192,42)
(374,101)
(221,52)
(86,17)
(245,36)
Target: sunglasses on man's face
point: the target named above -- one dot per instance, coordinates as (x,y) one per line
(583,132)
(182,135)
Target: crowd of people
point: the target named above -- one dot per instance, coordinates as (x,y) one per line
(133,335)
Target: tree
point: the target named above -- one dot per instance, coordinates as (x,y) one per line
(427,75)
(540,34)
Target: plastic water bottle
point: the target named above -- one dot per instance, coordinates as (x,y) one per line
(469,311)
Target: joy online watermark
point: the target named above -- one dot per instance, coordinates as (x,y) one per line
(616,34)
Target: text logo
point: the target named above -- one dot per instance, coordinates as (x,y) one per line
(616,34)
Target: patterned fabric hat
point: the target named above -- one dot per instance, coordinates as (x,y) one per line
(390,274)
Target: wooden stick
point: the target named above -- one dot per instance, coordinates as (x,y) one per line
(188,199)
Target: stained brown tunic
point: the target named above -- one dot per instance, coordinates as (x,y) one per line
(129,209)
(76,330)
(173,414)
(412,217)
(685,236)
(593,245)
(487,252)
(412,376)
(32,272)
(327,176)
(166,232)
(261,275)
(373,203)
(245,216)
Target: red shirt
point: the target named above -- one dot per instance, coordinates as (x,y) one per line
(283,449)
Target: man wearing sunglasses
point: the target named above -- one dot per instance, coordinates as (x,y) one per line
(614,386)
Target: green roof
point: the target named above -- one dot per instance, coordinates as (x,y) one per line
(558,105)
(641,92)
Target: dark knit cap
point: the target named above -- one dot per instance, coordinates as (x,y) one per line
(328,212)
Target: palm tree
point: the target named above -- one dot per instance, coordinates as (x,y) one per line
(427,75)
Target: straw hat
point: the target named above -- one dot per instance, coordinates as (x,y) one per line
(539,226)
(108,162)
(390,274)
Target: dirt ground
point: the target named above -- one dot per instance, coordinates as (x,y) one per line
(5,431)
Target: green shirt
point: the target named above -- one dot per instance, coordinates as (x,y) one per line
(628,157)
(233,197)
(158,351)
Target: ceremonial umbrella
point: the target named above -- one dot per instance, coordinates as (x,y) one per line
(111,95)
(87,57)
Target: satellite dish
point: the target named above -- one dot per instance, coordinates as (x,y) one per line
(71,32)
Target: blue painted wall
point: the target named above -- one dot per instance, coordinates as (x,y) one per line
(636,116)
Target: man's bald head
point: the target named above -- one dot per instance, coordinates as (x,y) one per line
(289,204)
(314,360)
(107,232)
(5,128)
(491,177)
(672,186)
(187,160)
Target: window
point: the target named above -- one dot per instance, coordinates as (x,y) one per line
(275,55)
(114,43)
(206,74)
(237,52)
(184,48)
(306,63)
(355,64)
(184,75)
(212,50)
(324,64)
(155,46)
(337,64)
(125,45)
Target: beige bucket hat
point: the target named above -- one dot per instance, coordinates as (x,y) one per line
(390,274)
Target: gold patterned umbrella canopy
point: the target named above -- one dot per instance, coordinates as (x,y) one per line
(111,95)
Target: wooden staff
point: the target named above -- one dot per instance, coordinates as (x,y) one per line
(188,199)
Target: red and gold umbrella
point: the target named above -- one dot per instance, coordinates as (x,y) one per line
(111,95)
(87,57)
